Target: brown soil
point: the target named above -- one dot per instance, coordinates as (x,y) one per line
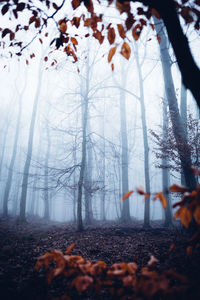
(21,245)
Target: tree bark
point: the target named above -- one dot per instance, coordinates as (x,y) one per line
(145,142)
(165,172)
(46,174)
(177,123)
(125,216)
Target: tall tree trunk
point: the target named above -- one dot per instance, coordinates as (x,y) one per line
(46,174)
(22,215)
(165,171)
(83,163)
(145,141)
(103,171)
(83,150)
(183,112)
(125,216)
(88,185)
(177,123)
(12,161)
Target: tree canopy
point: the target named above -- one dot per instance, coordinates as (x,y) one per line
(86,13)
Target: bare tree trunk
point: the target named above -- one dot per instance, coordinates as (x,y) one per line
(103,171)
(125,215)
(165,172)
(83,163)
(88,179)
(22,216)
(12,162)
(177,123)
(145,141)
(46,174)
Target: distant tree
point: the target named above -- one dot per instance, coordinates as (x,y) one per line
(167,149)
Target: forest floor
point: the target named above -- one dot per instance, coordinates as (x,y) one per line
(21,245)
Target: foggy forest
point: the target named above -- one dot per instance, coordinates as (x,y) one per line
(99,149)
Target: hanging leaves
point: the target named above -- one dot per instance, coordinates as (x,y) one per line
(126,195)
(125,50)
(111,53)
(111,35)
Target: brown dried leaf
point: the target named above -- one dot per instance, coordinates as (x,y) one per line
(175,188)
(126,195)
(121,31)
(111,53)
(111,35)
(126,50)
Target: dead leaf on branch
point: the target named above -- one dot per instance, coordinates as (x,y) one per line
(111,53)
(126,50)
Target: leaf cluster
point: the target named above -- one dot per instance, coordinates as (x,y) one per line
(120,280)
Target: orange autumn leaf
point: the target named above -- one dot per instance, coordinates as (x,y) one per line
(63,27)
(111,35)
(196,214)
(74,41)
(111,53)
(162,199)
(185,215)
(112,67)
(125,50)
(175,188)
(82,282)
(126,195)
(69,249)
(121,31)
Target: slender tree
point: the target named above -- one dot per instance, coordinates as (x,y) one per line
(177,123)
(145,141)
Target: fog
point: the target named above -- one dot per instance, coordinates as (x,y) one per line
(47,100)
